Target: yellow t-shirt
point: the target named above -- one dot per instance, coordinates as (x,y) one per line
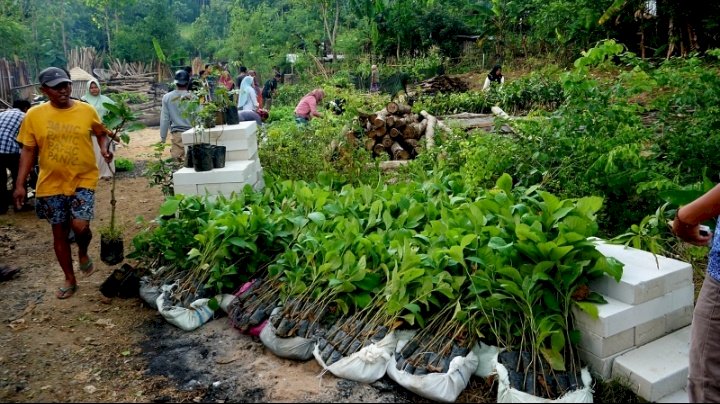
(66,155)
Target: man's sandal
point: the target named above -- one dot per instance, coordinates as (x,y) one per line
(87,268)
(64,293)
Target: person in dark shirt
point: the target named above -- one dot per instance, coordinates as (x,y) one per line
(269,90)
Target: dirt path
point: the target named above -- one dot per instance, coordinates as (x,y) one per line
(84,350)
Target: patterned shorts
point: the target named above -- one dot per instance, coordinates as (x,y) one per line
(59,209)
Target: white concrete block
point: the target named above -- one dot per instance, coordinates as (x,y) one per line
(234,171)
(235,155)
(616,316)
(658,368)
(248,143)
(224,188)
(650,331)
(645,276)
(603,347)
(185,189)
(220,132)
(600,367)
(678,319)
(679,396)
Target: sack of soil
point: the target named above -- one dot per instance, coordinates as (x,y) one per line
(297,348)
(186,318)
(366,365)
(252,306)
(438,386)
(509,394)
(149,293)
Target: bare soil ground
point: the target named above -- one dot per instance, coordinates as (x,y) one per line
(85,350)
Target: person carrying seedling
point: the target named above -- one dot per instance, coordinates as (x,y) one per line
(58,132)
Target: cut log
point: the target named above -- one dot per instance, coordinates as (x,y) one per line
(379,149)
(398,109)
(430,129)
(378,119)
(499,112)
(395,133)
(392,164)
(390,120)
(387,141)
(369,144)
(404,121)
(415,130)
(398,152)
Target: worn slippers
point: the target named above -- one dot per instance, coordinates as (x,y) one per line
(64,293)
(87,268)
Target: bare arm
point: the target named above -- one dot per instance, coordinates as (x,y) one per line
(27,159)
(690,216)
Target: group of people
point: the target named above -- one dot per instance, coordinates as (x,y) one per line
(252,103)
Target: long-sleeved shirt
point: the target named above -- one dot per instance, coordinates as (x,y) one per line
(171,114)
(307,107)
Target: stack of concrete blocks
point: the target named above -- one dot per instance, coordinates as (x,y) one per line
(642,333)
(242,164)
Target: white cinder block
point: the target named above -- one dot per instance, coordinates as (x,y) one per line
(224,132)
(234,155)
(234,171)
(601,367)
(603,347)
(185,189)
(247,143)
(658,368)
(650,331)
(678,319)
(616,316)
(645,276)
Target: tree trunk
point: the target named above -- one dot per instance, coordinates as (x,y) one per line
(429,130)
(378,119)
(369,144)
(398,152)
(398,109)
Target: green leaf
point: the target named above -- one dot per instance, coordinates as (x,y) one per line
(589,308)
(504,183)
(170,207)
(554,358)
(317,217)
(498,243)
(213,304)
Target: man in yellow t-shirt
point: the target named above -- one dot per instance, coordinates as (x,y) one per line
(58,133)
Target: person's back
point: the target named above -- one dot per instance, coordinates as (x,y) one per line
(10,121)
(173,115)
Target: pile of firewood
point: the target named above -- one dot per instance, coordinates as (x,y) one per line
(396,131)
(442,84)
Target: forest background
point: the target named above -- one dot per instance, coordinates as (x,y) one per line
(463,34)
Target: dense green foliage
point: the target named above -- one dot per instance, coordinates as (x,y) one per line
(261,33)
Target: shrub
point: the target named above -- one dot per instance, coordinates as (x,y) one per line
(123,164)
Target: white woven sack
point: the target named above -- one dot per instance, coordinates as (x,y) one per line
(367,365)
(297,348)
(508,394)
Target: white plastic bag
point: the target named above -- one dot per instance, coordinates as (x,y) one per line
(508,394)
(296,348)
(487,359)
(187,319)
(444,387)
(149,293)
(366,365)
